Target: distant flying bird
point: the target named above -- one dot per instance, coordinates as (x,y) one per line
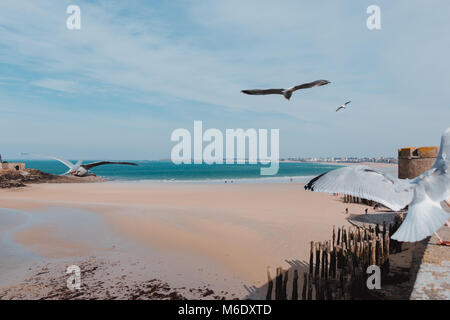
(343,106)
(426,196)
(287,93)
(79,169)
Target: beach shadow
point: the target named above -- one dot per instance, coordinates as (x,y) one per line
(260,293)
(372,218)
(405,266)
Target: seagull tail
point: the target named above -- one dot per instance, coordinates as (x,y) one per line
(423,219)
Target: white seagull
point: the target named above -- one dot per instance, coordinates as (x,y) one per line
(79,169)
(344,106)
(287,93)
(426,196)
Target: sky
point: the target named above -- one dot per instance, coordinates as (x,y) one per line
(137,70)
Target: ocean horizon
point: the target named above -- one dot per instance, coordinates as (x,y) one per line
(168,171)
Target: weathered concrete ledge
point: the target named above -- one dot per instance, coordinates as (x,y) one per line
(433,278)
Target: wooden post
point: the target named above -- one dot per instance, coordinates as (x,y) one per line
(310,287)
(322,274)
(334,236)
(358,254)
(305,285)
(333,263)
(391,229)
(269,285)
(344,237)
(285,281)
(386,253)
(295,286)
(352,254)
(311,258)
(317,270)
(366,254)
(387,245)
(373,250)
(327,250)
(381,252)
(279,285)
(378,250)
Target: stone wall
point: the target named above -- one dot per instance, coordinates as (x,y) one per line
(12,166)
(412,162)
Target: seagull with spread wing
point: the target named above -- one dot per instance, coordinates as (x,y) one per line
(79,169)
(426,196)
(287,93)
(344,106)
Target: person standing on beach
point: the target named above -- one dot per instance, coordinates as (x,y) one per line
(366,210)
(346,210)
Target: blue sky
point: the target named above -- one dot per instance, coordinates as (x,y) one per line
(137,70)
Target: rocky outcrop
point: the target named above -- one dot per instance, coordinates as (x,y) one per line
(14,179)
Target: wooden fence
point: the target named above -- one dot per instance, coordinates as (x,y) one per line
(337,268)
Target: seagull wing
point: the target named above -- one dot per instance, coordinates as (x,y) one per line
(424,217)
(347,102)
(263,91)
(367,183)
(341,107)
(64,161)
(100,163)
(313,84)
(426,213)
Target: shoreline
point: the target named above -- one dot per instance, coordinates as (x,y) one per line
(13,179)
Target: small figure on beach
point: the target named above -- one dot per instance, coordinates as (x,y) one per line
(346,210)
(366,211)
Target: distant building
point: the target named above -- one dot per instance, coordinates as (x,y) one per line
(12,166)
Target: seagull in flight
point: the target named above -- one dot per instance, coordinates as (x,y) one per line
(426,196)
(287,93)
(79,169)
(344,106)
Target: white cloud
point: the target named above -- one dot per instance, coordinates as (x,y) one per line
(57,85)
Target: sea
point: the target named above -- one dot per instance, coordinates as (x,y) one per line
(167,171)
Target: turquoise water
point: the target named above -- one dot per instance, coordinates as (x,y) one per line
(159,170)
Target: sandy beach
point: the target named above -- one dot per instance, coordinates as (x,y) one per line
(219,236)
